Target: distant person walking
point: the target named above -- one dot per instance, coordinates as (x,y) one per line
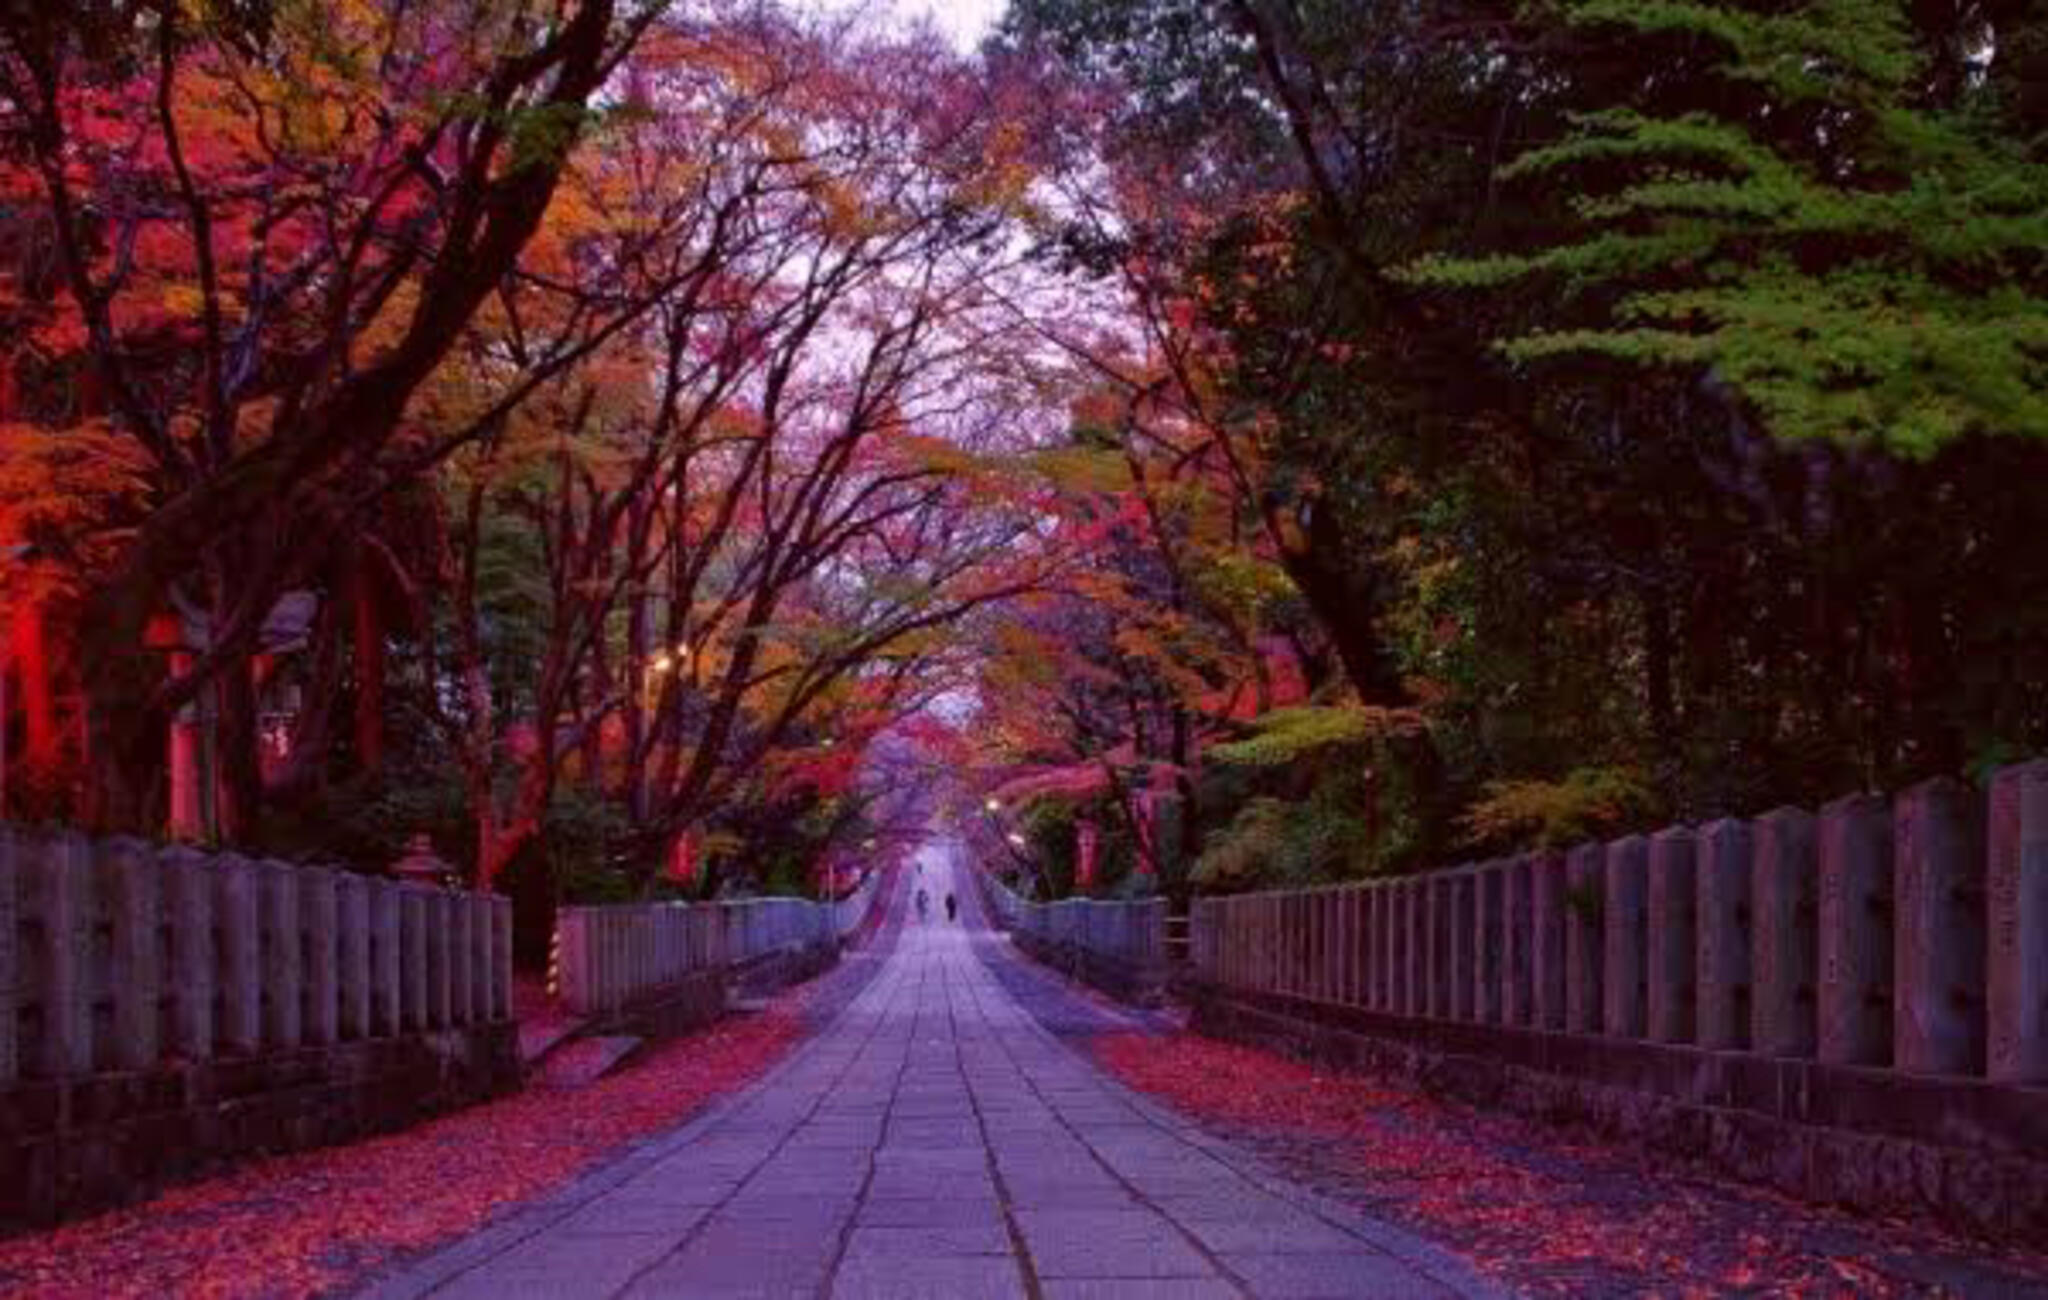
(924,904)
(952,908)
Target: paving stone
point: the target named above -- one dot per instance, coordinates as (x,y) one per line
(908,1213)
(1131,1288)
(986,1277)
(1333,1275)
(862,1168)
(983,1236)
(621,1215)
(1298,1234)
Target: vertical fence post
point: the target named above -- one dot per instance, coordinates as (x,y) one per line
(1443,924)
(1373,946)
(1464,957)
(1416,967)
(126,876)
(188,900)
(319,909)
(1357,945)
(128,883)
(1673,934)
(1585,937)
(55,874)
(1724,871)
(390,1012)
(1855,932)
(283,960)
(352,953)
(501,958)
(480,964)
(1394,920)
(452,939)
(1785,903)
(1547,964)
(240,948)
(1938,947)
(1489,909)
(1517,937)
(1625,963)
(2017,884)
(414,917)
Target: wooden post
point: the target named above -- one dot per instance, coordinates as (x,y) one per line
(1518,937)
(126,878)
(1938,948)
(1784,891)
(1489,941)
(241,954)
(352,954)
(501,958)
(1626,961)
(1673,934)
(1585,936)
(1724,870)
(188,894)
(54,879)
(1547,956)
(319,910)
(2017,885)
(1855,932)
(390,1013)
(283,960)
(453,938)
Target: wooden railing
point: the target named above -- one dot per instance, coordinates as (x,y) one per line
(611,956)
(1909,934)
(1120,945)
(122,955)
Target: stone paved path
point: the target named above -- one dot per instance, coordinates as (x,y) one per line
(936,1141)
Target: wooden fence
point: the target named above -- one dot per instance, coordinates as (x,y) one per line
(1909,935)
(121,955)
(610,956)
(1118,945)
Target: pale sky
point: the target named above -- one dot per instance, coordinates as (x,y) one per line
(965,22)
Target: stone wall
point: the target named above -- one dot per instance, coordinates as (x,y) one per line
(162,1010)
(1853,1004)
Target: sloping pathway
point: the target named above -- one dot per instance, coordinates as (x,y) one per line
(936,1141)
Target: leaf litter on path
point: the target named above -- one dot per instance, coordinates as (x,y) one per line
(1545,1211)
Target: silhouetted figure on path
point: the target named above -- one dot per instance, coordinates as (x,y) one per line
(952,908)
(924,904)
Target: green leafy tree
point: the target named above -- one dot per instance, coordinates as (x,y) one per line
(1853,262)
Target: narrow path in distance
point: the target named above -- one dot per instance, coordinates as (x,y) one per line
(935,1140)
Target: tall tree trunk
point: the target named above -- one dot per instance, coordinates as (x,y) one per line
(368,626)
(237,757)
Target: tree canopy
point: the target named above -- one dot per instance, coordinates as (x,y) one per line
(1192,443)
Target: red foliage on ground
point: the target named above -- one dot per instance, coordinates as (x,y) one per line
(310,1222)
(1530,1204)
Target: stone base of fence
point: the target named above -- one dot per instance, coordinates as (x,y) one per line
(702,998)
(694,1002)
(1963,1152)
(772,972)
(1140,985)
(77,1145)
